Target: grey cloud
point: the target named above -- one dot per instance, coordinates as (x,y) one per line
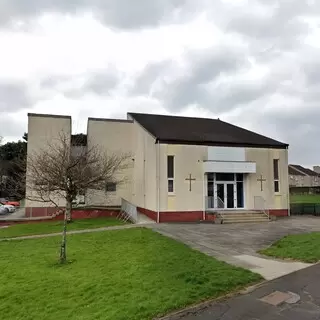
(121,14)
(190,85)
(14,96)
(9,127)
(285,21)
(283,104)
(101,83)
(301,129)
(149,76)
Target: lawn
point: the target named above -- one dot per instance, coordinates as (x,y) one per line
(56,226)
(305,198)
(303,247)
(132,274)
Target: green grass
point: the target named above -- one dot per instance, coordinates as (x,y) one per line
(305,198)
(26,229)
(302,247)
(132,274)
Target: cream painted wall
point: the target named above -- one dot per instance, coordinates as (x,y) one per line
(145,169)
(187,160)
(141,178)
(264,160)
(114,137)
(43,130)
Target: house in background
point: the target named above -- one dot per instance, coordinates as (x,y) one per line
(302,177)
(183,168)
(316,169)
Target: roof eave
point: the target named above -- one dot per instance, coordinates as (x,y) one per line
(222,144)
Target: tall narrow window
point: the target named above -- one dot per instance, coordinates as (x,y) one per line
(170,174)
(276,175)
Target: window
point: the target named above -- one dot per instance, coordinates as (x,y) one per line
(170,173)
(111,187)
(276,175)
(225,176)
(80,198)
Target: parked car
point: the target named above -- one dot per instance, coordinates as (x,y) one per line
(9,202)
(9,207)
(3,211)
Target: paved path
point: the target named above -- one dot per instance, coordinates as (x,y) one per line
(18,214)
(129,226)
(238,243)
(303,285)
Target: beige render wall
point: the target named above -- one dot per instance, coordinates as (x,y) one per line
(145,169)
(264,161)
(115,137)
(188,160)
(42,130)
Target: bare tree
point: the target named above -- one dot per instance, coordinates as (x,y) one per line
(67,167)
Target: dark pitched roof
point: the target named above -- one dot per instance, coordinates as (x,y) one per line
(293,172)
(202,131)
(306,171)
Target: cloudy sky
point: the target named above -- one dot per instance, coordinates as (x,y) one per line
(254,63)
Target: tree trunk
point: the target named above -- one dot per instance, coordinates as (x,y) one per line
(63,248)
(69,207)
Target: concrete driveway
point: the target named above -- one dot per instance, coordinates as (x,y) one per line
(238,244)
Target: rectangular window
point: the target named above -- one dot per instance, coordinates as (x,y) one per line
(225,176)
(240,197)
(276,175)
(170,173)
(111,187)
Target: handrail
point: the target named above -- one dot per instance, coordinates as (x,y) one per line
(130,210)
(260,205)
(220,202)
(210,203)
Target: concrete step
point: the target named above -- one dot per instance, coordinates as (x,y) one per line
(241,213)
(244,221)
(244,216)
(238,211)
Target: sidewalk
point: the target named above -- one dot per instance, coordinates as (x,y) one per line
(302,288)
(75,232)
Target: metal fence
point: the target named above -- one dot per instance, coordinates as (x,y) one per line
(305,209)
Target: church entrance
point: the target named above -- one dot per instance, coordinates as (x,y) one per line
(225,191)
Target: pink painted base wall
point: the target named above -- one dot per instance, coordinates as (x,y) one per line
(169,216)
(194,216)
(76,214)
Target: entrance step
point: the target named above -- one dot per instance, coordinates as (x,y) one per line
(242,216)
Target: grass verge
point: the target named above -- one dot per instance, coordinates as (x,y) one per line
(302,247)
(133,274)
(27,229)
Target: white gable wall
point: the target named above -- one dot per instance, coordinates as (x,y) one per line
(114,137)
(145,169)
(43,131)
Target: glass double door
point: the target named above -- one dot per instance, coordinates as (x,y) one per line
(225,195)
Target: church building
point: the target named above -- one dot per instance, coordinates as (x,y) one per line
(183,169)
